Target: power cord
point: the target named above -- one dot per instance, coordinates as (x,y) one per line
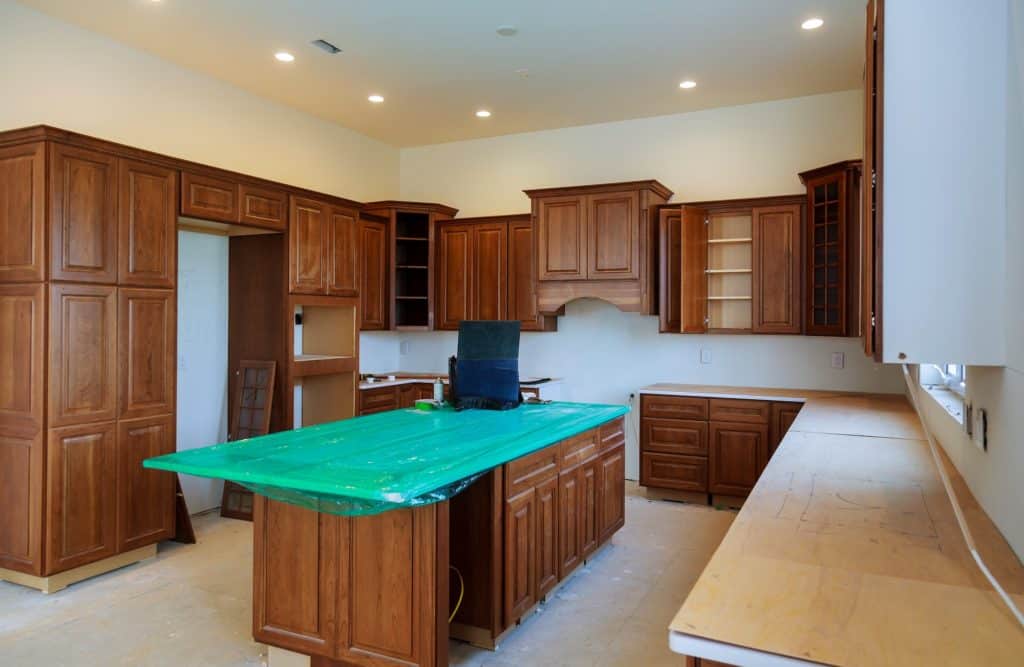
(462,592)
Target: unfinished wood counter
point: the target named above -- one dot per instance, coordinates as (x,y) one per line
(847,552)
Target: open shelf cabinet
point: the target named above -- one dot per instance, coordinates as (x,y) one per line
(324,368)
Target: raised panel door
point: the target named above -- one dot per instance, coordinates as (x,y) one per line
(614,236)
(145,498)
(776,270)
(562,238)
(590,526)
(81,495)
(83,354)
(147,229)
(738,454)
(693,265)
(147,343)
(308,240)
(21,497)
(262,207)
(522,276)
(22,348)
(373,287)
(520,555)
(343,259)
(23,213)
(209,198)
(570,523)
(547,535)
(490,271)
(612,496)
(83,215)
(783,416)
(455,268)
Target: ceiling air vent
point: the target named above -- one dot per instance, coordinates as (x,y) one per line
(324,45)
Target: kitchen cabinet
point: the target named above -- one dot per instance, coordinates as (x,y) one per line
(833,249)
(546,500)
(323,247)
(83,217)
(490,271)
(23,222)
(612,492)
(782,417)
(570,523)
(378,399)
(262,207)
(222,198)
(777,269)
(145,498)
(147,227)
(373,287)
(520,554)
(455,298)
(590,501)
(342,262)
(737,453)
(597,241)
(522,277)
(871,192)
(147,352)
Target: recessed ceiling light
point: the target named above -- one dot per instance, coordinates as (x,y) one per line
(376,99)
(507,30)
(483,113)
(812,24)
(688,84)
(284,56)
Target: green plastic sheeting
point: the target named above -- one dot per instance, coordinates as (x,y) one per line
(380,462)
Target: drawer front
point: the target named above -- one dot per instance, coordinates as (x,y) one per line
(674,471)
(674,436)
(377,400)
(740,411)
(577,449)
(613,434)
(673,407)
(528,471)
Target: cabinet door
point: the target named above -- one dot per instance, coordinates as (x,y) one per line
(693,264)
(262,207)
(343,255)
(308,240)
(738,453)
(522,277)
(81,501)
(547,535)
(23,213)
(407,394)
(670,247)
(777,275)
(373,287)
(520,555)
(570,523)
(145,498)
(826,261)
(148,217)
(783,416)
(490,271)
(22,346)
(83,354)
(209,198)
(147,356)
(561,238)
(83,215)
(21,497)
(612,506)
(455,271)
(590,527)
(613,225)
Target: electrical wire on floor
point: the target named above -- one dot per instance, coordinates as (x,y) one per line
(462,592)
(964,529)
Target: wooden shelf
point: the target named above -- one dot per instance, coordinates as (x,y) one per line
(736,240)
(729,298)
(305,365)
(729,271)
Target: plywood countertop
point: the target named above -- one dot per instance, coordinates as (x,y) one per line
(847,552)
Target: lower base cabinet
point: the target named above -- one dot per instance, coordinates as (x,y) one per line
(737,455)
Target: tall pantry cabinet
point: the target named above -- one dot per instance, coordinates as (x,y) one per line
(87,354)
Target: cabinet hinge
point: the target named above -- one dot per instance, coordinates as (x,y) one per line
(707,321)
(874,178)
(707,221)
(872,320)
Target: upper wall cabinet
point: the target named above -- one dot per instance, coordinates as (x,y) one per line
(148,216)
(83,216)
(23,213)
(373,275)
(590,236)
(323,248)
(219,197)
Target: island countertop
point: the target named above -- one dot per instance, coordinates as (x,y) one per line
(847,552)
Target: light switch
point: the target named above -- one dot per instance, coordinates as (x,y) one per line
(705,355)
(838,360)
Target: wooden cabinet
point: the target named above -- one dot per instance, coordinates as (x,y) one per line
(208,197)
(597,241)
(148,216)
(373,276)
(546,500)
(145,498)
(454,301)
(262,207)
(490,271)
(22,358)
(23,213)
(324,248)
(871,193)
(783,416)
(570,523)
(83,215)
(738,452)
(611,513)
(522,277)
(777,275)
(520,554)
(673,471)
(378,399)
(342,252)
(81,499)
(675,436)
(590,502)
(833,249)
(147,352)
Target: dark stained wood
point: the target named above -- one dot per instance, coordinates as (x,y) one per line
(570,523)
(777,274)
(739,410)
(529,470)
(373,288)
(871,203)
(22,358)
(209,198)
(590,503)
(613,241)
(148,216)
(378,399)
(490,271)
(674,436)
(251,410)
(561,237)
(783,416)
(670,280)
(184,533)
(612,434)
(22,477)
(477,553)
(455,260)
(309,239)
(673,471)
(520,554)
(81,495)
(611,513)
(577,449)
(738,454)
(147,346)
(82,354)
(23,213)
(522,277)
(83,215)
(547,535)
(673,407)
(693,311)
(145,503)
(262,207)
(343,252)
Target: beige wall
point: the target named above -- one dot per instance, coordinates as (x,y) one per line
(62,75)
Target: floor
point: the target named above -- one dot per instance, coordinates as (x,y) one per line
(191,605)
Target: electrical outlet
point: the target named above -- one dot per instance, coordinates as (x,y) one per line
(403,347)
(838,360)
(705,355)
(979,428)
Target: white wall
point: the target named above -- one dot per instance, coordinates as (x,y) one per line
(62,75)
(202,416)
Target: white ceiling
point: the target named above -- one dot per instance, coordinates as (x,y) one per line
(438,61)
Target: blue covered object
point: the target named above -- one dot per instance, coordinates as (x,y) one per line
(485,372)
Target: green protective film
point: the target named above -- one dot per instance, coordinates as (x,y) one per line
(401,458)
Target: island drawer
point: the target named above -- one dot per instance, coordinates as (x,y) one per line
(577,449)
(527,471)
(613,434)
(740,411)
(673,407)
(674,436)
(674,471)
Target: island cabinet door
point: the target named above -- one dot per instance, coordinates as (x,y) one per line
(612,509)
(570,523)
(520,555)
(547,536)
(590,492)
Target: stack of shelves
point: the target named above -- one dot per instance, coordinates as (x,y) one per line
(730,271)
(412,269)
(325,360)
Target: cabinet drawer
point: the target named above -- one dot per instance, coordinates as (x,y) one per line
(740,411)
(674,471)
(674,436)
(528,471)
(577,449)
(377,400)
(613,434)
(673,407)
(208,198)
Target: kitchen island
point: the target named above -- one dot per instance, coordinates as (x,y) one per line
(359,523)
